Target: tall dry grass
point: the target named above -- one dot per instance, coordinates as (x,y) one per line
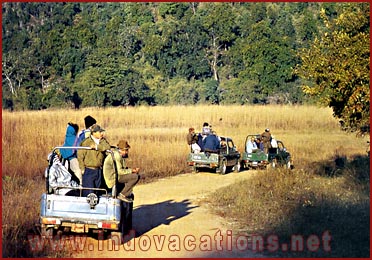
(301,203)
(157,136)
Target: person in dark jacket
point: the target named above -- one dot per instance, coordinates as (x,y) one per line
(211,143)
(85,133)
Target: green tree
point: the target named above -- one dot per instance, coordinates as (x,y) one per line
(182,92)
(237,91)
(103,51)
(220,31)
(268,60)
(337,67)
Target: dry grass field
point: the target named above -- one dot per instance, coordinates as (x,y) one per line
(157,136)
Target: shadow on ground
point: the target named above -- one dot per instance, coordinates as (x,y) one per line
(150,216)
(329,229)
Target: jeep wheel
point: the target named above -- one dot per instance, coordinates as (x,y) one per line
(128,212)
(195,169)
(125,224)
(237,167)
(243,166)
(273,163)
(289,165)
(223,167)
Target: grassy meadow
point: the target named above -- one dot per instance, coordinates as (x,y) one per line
(278,202)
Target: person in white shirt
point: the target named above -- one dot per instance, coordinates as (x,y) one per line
(274,143)
(251,145)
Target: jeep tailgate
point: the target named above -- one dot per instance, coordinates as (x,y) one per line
(78,209)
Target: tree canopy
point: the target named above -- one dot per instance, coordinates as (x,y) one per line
(337,67)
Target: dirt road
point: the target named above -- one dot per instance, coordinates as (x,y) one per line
(172,219)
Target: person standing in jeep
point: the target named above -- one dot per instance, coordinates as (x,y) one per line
(91,161)
(266,139)
(70,154)
(85,133)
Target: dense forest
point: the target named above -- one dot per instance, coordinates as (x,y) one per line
(112,54)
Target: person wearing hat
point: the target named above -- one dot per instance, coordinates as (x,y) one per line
(91,161)
(127,176)
(266,140)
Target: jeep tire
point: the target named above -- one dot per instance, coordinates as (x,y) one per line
(237,166)
(223,167)
(125,225)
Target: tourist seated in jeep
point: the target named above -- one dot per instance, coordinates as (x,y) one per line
(192,141)
(60,178)
(211,143)
(251,145)
(259,143)
(223,145)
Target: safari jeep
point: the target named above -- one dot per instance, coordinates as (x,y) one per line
(99,211)
(228,157)
(258,159)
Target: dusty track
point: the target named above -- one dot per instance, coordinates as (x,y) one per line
(172,215)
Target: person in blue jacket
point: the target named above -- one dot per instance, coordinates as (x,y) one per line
(70,154)
(211,143)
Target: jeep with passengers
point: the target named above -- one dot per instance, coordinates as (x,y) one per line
(99,211)
(222,160)
(258,159)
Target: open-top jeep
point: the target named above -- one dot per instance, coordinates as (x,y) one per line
(256,158)
(98,211)
(228,157)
